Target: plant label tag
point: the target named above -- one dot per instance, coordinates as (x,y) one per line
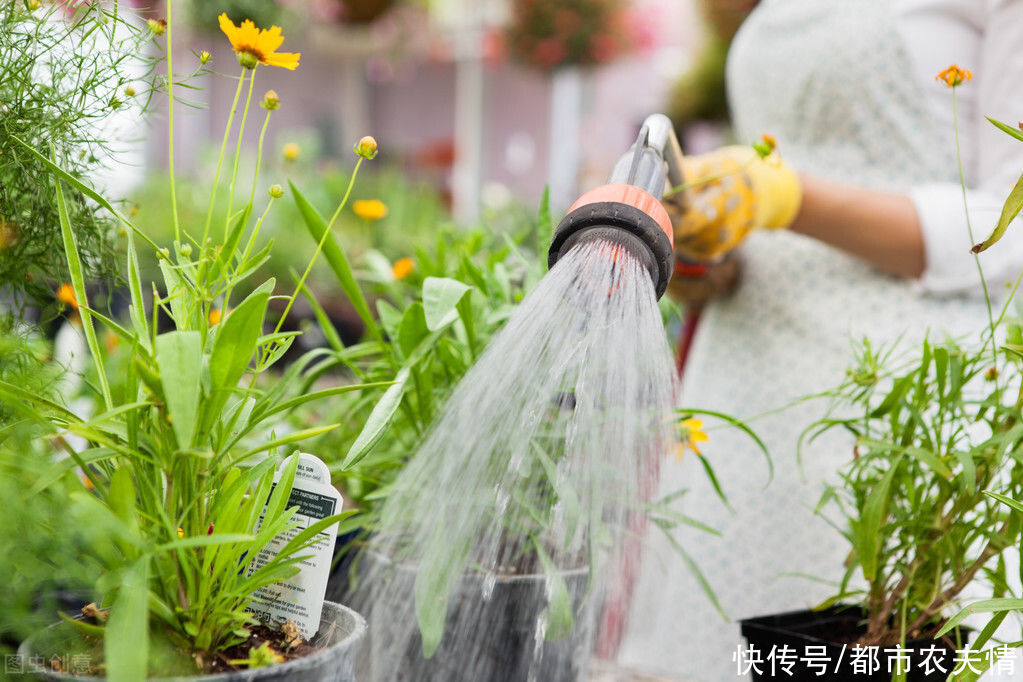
(300,597)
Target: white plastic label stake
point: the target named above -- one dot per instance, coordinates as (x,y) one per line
(300,598)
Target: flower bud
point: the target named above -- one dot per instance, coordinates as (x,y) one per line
(271,101)
(157,26)
(129,91)
(248,60)
(276,191)
(186,250)
(204,57)
(291,151)
(366,147)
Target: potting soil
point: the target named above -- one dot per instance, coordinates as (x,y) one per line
(509,526)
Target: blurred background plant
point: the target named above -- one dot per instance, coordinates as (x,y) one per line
(64,72)
(556,33)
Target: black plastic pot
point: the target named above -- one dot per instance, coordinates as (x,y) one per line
(509,651)
(827,636)
(343,628)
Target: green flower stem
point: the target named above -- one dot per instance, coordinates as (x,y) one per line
(703,181)
(259,156)
(170,119)
(969,229)
(319,245)
(237,155)
(248,251)
(220,159)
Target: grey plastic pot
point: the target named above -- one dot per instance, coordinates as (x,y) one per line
(510,652)
(344,629)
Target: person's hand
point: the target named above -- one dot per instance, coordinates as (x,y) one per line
(696,286)
(728,193)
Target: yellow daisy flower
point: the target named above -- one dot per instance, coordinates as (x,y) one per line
(370,209)
(690,433)
(66,295)
(258,46)
(402,268)
(954,76)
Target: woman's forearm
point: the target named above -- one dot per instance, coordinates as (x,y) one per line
(878,227)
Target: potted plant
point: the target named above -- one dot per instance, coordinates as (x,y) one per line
(935,428)
(183,456)
(510,587)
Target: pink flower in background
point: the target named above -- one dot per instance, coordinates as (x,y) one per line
(642,26)
(549,52)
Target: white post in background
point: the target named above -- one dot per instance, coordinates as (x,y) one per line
(467,174)
(563,146)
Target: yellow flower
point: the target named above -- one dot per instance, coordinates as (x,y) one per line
(257,46)
(402,268)
(66,295)
(181,532)
(215,316)
(204,57)
(370,209)
(291,151)
(157,26)
(954,76)
(690,433)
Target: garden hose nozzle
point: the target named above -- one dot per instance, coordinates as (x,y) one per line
(627,211)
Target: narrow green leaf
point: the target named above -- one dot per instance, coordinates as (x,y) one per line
(868,531)
(179,356)
(378,421)
(413,328)
(293,437)
(1010,210)
(558,614)
(440,298)
(1005,127)
(337,260)
(986,606)
(74,263)
(126,642)
(234,346)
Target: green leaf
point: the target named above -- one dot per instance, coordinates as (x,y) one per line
(898,391)
(203,541)
(1008,501)
(337,260)
(234,346)
(293,437)
(440,298)
(1005,127)
(74,263)
(121,497)
(986,606)
(413,328)
(558,614)
(545,226)
(1010,210)
(930,459)
(179,356)
(378,421)
(126,642)
(868,531)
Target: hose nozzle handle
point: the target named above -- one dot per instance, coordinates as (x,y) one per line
(628,208)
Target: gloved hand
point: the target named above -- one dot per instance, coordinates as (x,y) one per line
(742,193)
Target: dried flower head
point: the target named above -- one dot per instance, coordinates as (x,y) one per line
(256,46)
(954,76)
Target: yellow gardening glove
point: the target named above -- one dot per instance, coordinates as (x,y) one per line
(731,192)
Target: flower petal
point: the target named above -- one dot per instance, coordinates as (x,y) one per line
(287,60)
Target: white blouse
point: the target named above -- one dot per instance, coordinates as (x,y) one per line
(986,37)
(848,89)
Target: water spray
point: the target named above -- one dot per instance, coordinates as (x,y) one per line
(627,211)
